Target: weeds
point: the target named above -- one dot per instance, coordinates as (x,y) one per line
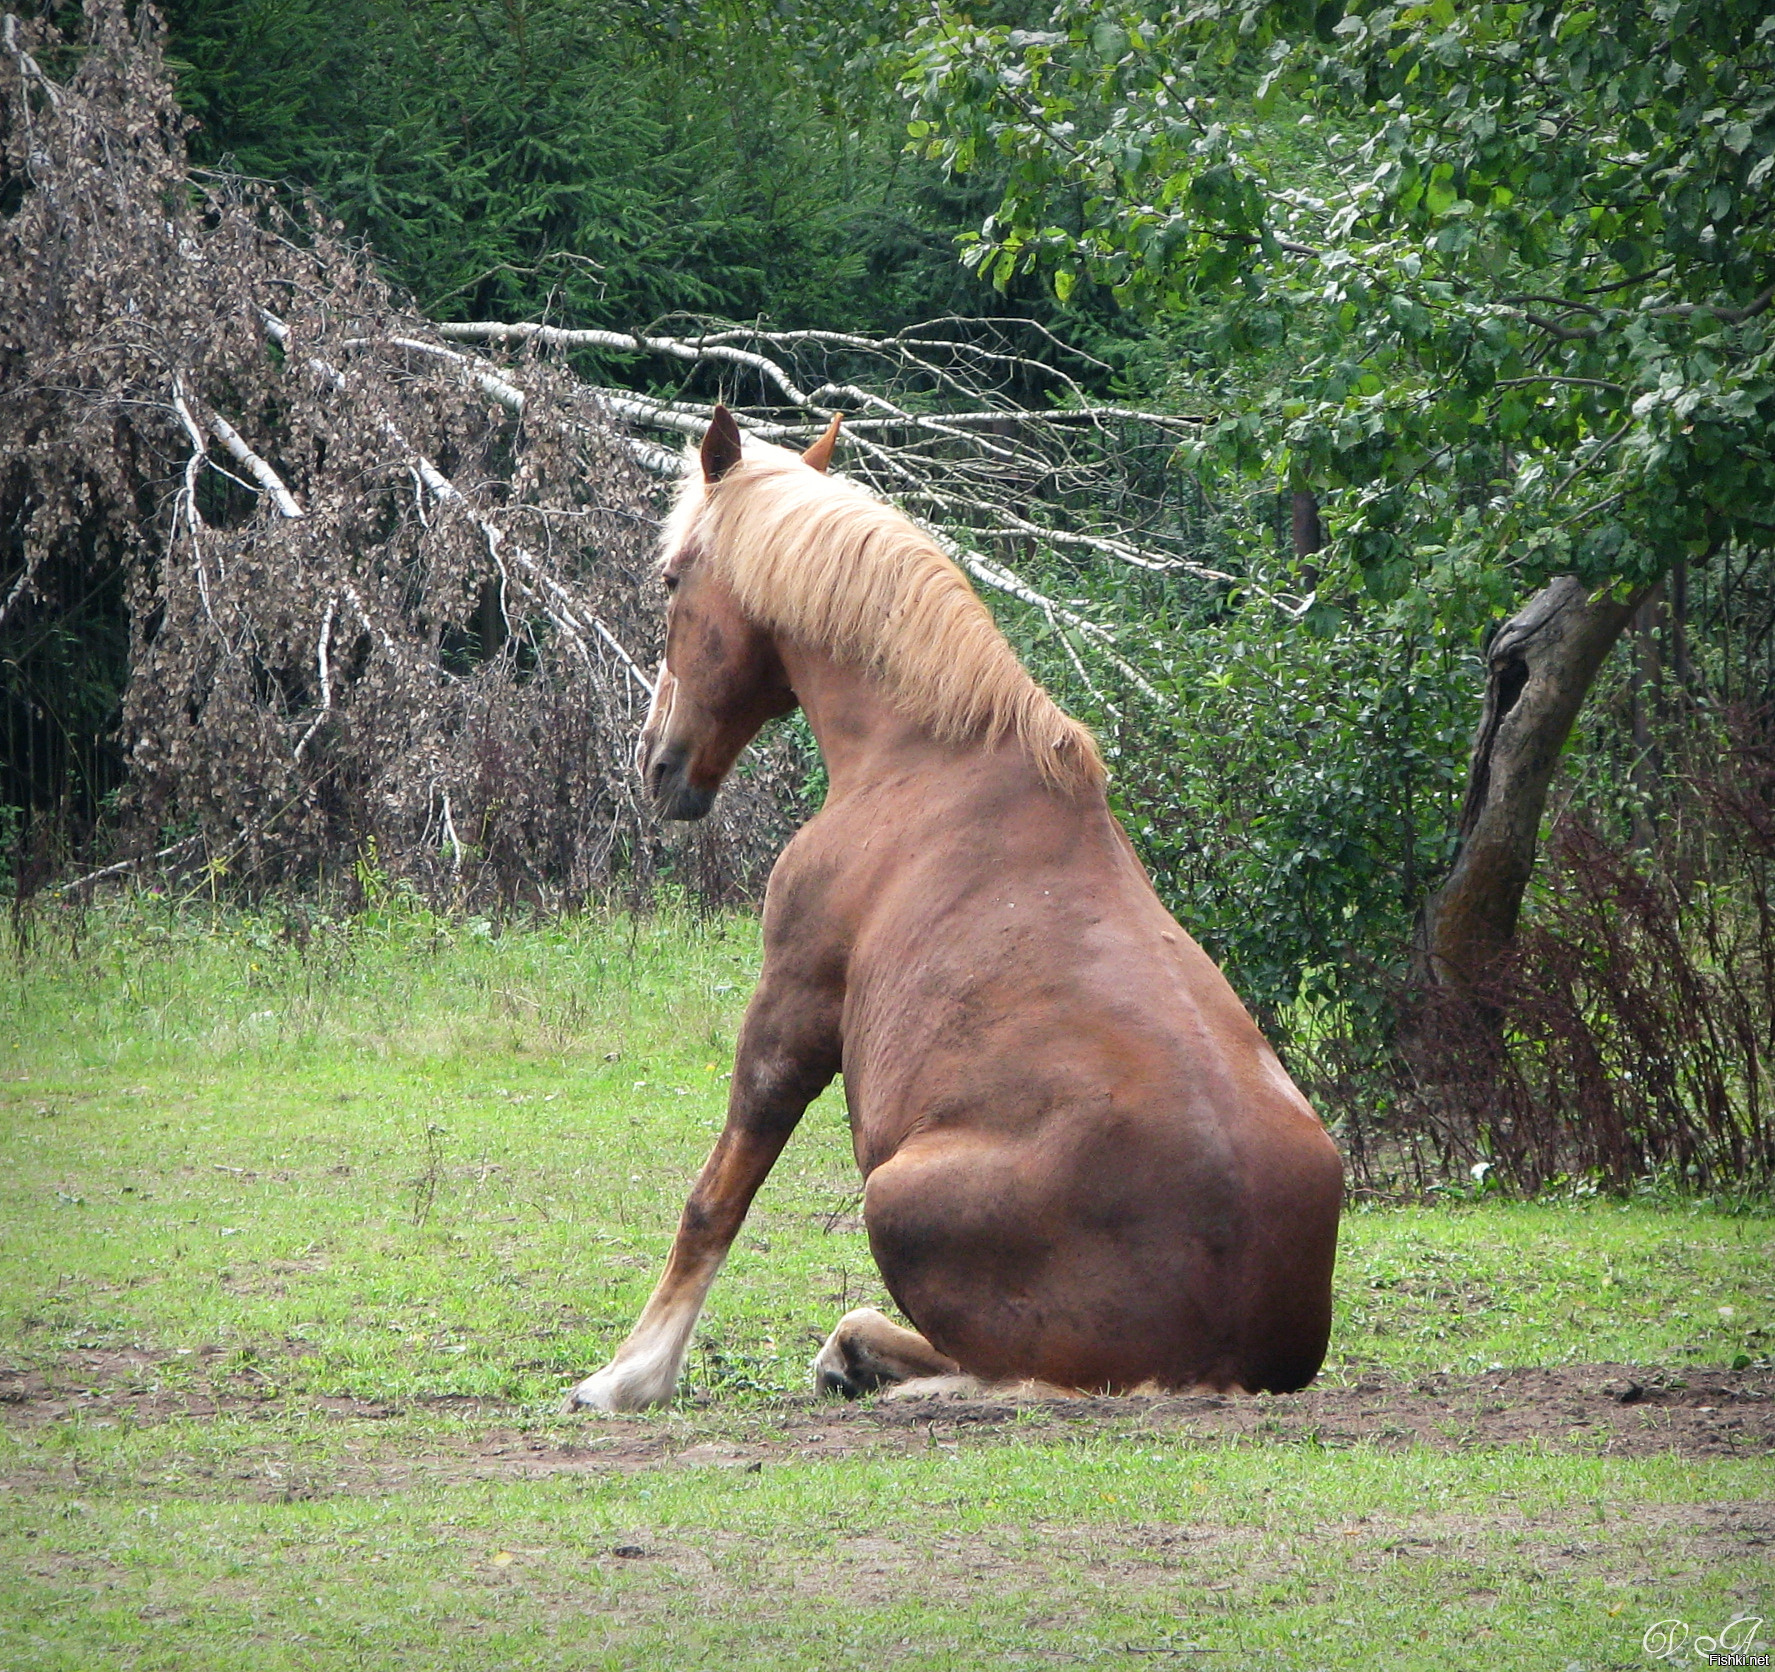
(425,1187)
(1629,1045)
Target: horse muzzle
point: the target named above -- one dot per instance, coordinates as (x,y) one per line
(674,796)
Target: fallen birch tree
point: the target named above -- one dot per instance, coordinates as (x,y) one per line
(387,582)
(375,622)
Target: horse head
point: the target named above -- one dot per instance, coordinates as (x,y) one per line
(721,677)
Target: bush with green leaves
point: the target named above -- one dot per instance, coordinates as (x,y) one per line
(1289,776)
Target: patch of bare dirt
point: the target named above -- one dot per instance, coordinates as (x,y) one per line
(1612,1409)
(1608,1409)
(1236,1564)
(130,1382)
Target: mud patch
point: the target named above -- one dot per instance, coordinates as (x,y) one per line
(1601,1409)
(1604,1409)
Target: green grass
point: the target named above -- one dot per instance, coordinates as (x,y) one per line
(1067,1554)
(399,1159)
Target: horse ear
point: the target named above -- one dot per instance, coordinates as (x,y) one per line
(721,446)
(820,454)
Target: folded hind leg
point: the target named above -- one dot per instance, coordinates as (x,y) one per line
(867,1352)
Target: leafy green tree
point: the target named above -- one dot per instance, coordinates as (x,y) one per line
(1518,259)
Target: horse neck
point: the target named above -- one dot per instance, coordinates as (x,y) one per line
(862,735)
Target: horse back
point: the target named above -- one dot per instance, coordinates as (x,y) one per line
(1006,965)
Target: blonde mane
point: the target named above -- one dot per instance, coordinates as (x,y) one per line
(822,560)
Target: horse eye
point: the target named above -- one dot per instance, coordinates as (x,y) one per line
(671,582)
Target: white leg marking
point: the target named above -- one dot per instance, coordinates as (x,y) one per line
(645,1369)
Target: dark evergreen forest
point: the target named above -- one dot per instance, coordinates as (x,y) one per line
(604,165)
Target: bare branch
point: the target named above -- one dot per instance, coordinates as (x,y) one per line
(261,472)
(556,337)
(455,840)
(33,561)
(193,518)
(1732,316)
(995,451)
(10,42)
(1554,377)
(488,382)
(1588,459)
(1001,579)
(1560,332)
(1558,302)
(123,865)
(326,677)
(563,609)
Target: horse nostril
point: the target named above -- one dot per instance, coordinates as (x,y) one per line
(659,766)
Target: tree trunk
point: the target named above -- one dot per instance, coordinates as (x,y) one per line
(1309,535)
(1648,715)
(1540,666)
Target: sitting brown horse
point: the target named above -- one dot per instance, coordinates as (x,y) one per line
(1084,1166)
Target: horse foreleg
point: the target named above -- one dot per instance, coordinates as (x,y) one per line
(867,1352)
(787,1053)
(645,1369)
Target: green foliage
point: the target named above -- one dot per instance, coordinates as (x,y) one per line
(1517,254)
(1296,797)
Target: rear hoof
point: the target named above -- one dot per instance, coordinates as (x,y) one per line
(834,1384)
(833,1378)
(867,1352)
(840,1370)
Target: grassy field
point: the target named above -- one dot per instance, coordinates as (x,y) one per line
(305,1227)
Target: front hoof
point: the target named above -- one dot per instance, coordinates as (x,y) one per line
(602,1392)
(584,1397)
(615,1388)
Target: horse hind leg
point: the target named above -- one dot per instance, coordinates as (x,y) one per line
(867,1352)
